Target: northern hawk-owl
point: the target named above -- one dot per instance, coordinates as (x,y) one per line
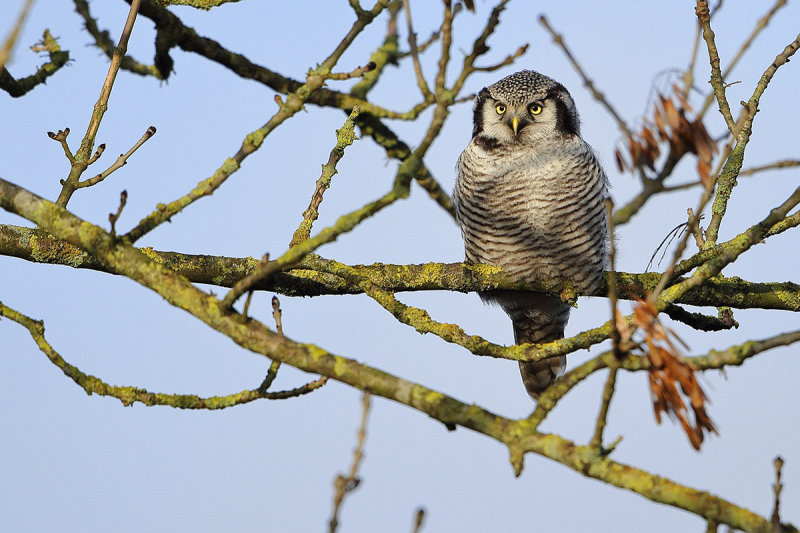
(529,198)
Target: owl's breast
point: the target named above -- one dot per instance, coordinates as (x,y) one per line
(535,216)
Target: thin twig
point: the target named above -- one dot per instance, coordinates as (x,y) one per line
(589,84)
(121,161)
(104,42)
(343,485)
(777,487)
(446,30)
(419,519)
(422,47)
(414,51)
(787,163)
(698,232)
(727,177)
(247,301)
(344,138)
(277,314)
(717,82)
(509,59)
(275,365)
(129,395)
(61,137)
(760,25)
(83,154)
(479,46)
(355,73)
(113,217)
(608,393)
(296,253)
(688,75)
(612,277)
(294,103)
(5,51)
(608,389)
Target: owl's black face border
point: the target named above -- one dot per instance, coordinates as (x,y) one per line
(477,112)
(566,123)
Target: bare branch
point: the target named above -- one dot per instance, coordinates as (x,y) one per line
(121,161)
(129,395)
(608,393)
(20,87)
(61,137)
(5,51)
(419,519)
(558,39)
(83,154)
(520,436)
(347,484)
(717,82)
(113,217)
(344,138)
(787,163)
(777,487)
(412,44)
(727,177)
(760,25)
(294,103)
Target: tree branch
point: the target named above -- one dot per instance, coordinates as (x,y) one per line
(520,436)
(20,87)
(39,246)
(129,395)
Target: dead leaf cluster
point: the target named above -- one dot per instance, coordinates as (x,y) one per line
(671,378)
(673,130)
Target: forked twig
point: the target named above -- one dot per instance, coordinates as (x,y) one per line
(113,217)
(70,185)
(121,161)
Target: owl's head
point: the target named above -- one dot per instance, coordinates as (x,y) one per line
(525,107)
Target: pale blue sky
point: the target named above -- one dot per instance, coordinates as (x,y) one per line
(70,462)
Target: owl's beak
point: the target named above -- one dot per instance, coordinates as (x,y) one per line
(515,125)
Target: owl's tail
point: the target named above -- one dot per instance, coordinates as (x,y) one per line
(536,326)
(536,318)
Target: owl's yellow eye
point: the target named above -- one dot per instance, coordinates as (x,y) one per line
(500,109)
(535,109)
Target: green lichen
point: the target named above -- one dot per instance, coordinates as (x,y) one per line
(339,366)
(254,139)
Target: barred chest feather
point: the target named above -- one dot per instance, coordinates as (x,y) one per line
(536,214)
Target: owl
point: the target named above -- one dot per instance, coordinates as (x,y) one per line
(529,198)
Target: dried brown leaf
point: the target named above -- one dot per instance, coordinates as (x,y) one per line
(669,371)
(677,92)
(673,117)
(658,118)
(620,162)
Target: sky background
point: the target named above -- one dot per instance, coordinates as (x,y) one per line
(71,462)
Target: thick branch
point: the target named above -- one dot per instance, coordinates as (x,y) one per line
(39,246)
